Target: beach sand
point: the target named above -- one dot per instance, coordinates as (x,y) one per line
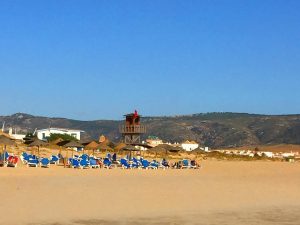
(222,192)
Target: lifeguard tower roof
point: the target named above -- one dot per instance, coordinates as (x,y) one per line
(131,115)
(135,114)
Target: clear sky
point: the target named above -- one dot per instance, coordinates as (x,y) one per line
(100,59)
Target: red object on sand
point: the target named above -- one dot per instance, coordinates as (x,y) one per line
(13,159)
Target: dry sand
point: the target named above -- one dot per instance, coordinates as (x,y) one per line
(219,193)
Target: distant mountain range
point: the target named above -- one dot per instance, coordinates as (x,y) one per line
(209,129)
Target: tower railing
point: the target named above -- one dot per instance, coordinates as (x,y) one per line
(132,129)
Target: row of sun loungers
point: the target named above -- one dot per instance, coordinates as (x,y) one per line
(84,162)
(110,162)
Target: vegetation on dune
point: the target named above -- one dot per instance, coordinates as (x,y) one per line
(64,137)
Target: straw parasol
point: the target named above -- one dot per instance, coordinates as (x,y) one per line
(70,145)
(130,148)
(105,147)
(93,145)
(38,143)
(73,144)
(4,141)
(165,149)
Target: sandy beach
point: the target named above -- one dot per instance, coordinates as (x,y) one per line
(221,192)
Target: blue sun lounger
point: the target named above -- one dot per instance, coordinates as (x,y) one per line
(154,164)
(33,162)
(147,165)
(84,157)
(186,164)
(74,163)
(107,163)
(24,157)
(94,164)
(136,163)
(45,163)
(84,164)
(54,159)
(125,164)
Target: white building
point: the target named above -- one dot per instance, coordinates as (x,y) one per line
(153,141)
(189,145)
(15,135)
(44,133)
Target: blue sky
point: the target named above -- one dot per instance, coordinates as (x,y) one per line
(100,59)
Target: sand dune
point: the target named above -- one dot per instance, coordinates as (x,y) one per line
(220,193)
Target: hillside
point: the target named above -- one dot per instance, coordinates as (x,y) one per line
(210,129)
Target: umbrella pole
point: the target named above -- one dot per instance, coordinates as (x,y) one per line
(4,159)
(59,154)
(65,161)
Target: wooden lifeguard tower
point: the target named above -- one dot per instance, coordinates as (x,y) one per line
(132,129)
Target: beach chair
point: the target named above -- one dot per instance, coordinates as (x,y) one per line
(114,157)
(107,163)
(108,156)
(145,164)
(82,157)
(164,164)
(24,157)
(12,161)
(94,164)
(194,165)
(125,164)
(45,163)
(3,162)
(33,162)
(136,163)
(74,163)
(54,159)
(185,164)
(6,155)
(154,164)
(84,164)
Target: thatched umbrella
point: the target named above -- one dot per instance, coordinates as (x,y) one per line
(93,145)
(72,144)
(56,141)
(38,143)
(105,147)
(130,148)
(4,141)
(165,148)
